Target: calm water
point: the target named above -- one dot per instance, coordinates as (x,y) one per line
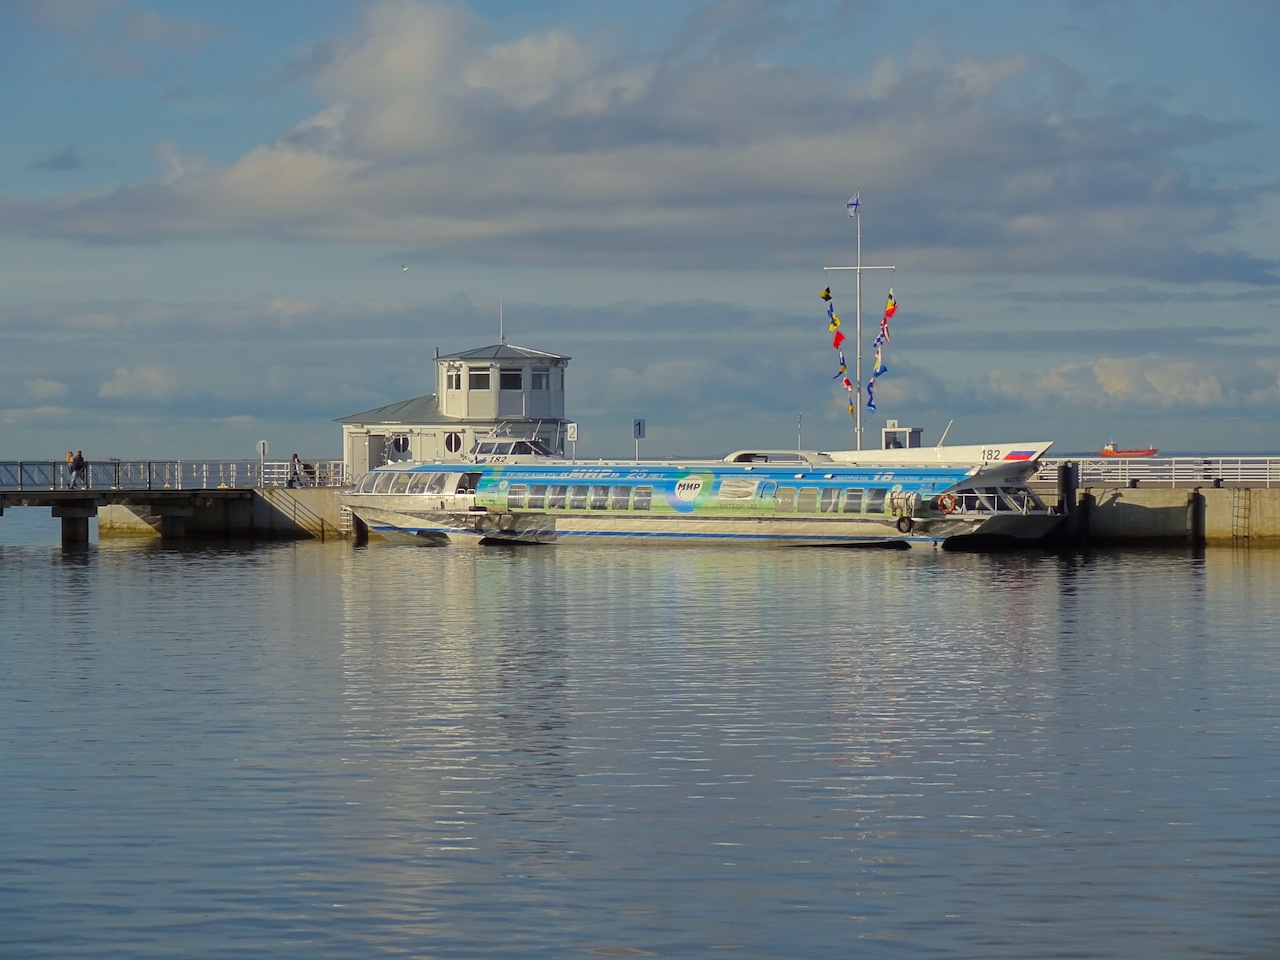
(327,752)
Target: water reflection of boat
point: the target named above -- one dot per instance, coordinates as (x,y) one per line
(1111,450)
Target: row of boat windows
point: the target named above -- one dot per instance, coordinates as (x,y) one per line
(624,496)
(630,497)
(559,496)
(402,481)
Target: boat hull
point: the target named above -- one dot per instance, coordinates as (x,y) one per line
(403,523)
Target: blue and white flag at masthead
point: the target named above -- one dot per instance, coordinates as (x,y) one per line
(852,205)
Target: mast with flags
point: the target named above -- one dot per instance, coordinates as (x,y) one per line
(853,208)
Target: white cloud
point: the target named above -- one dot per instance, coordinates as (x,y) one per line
(150,383)
(549,149)
(1149,383)
(531,70)
(1161,381)
(1119,378)
(43,390)
(1180,383)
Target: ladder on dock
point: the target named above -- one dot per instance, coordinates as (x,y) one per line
(1241,512)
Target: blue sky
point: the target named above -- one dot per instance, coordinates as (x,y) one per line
(207,212)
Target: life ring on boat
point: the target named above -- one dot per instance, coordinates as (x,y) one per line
(507,522)
(905,524)
(946,503)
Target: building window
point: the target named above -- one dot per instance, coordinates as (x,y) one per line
(541,378)
(510,379)
(453,380)
(478,378)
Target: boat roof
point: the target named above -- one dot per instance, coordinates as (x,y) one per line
(987,454)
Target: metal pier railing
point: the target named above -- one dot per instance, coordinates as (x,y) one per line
(1168,471)
(23,475)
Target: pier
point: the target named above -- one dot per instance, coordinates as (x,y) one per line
(179,499)
(1146,472)
(1164,500)
(1157,500)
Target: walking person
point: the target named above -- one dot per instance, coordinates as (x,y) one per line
(71,477)
(295,465)
(79,471)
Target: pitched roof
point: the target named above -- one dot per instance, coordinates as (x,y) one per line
(418,410)
(503,351)
(427,409)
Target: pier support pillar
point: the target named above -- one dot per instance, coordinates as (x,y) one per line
(75,521)
(1081,518)
(1077,518)
(173,522)
(1195,518)
(75,530)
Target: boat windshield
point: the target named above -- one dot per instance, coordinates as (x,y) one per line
(504,448)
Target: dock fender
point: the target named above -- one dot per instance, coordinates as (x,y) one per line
(905,524)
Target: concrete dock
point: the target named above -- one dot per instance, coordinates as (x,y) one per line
(1101,515)
(176,500)
(1205,502)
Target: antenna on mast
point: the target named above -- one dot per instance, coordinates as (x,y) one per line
(502,337)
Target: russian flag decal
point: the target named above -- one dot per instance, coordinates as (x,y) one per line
(1019,454)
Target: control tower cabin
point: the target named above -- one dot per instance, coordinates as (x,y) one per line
(482,394)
